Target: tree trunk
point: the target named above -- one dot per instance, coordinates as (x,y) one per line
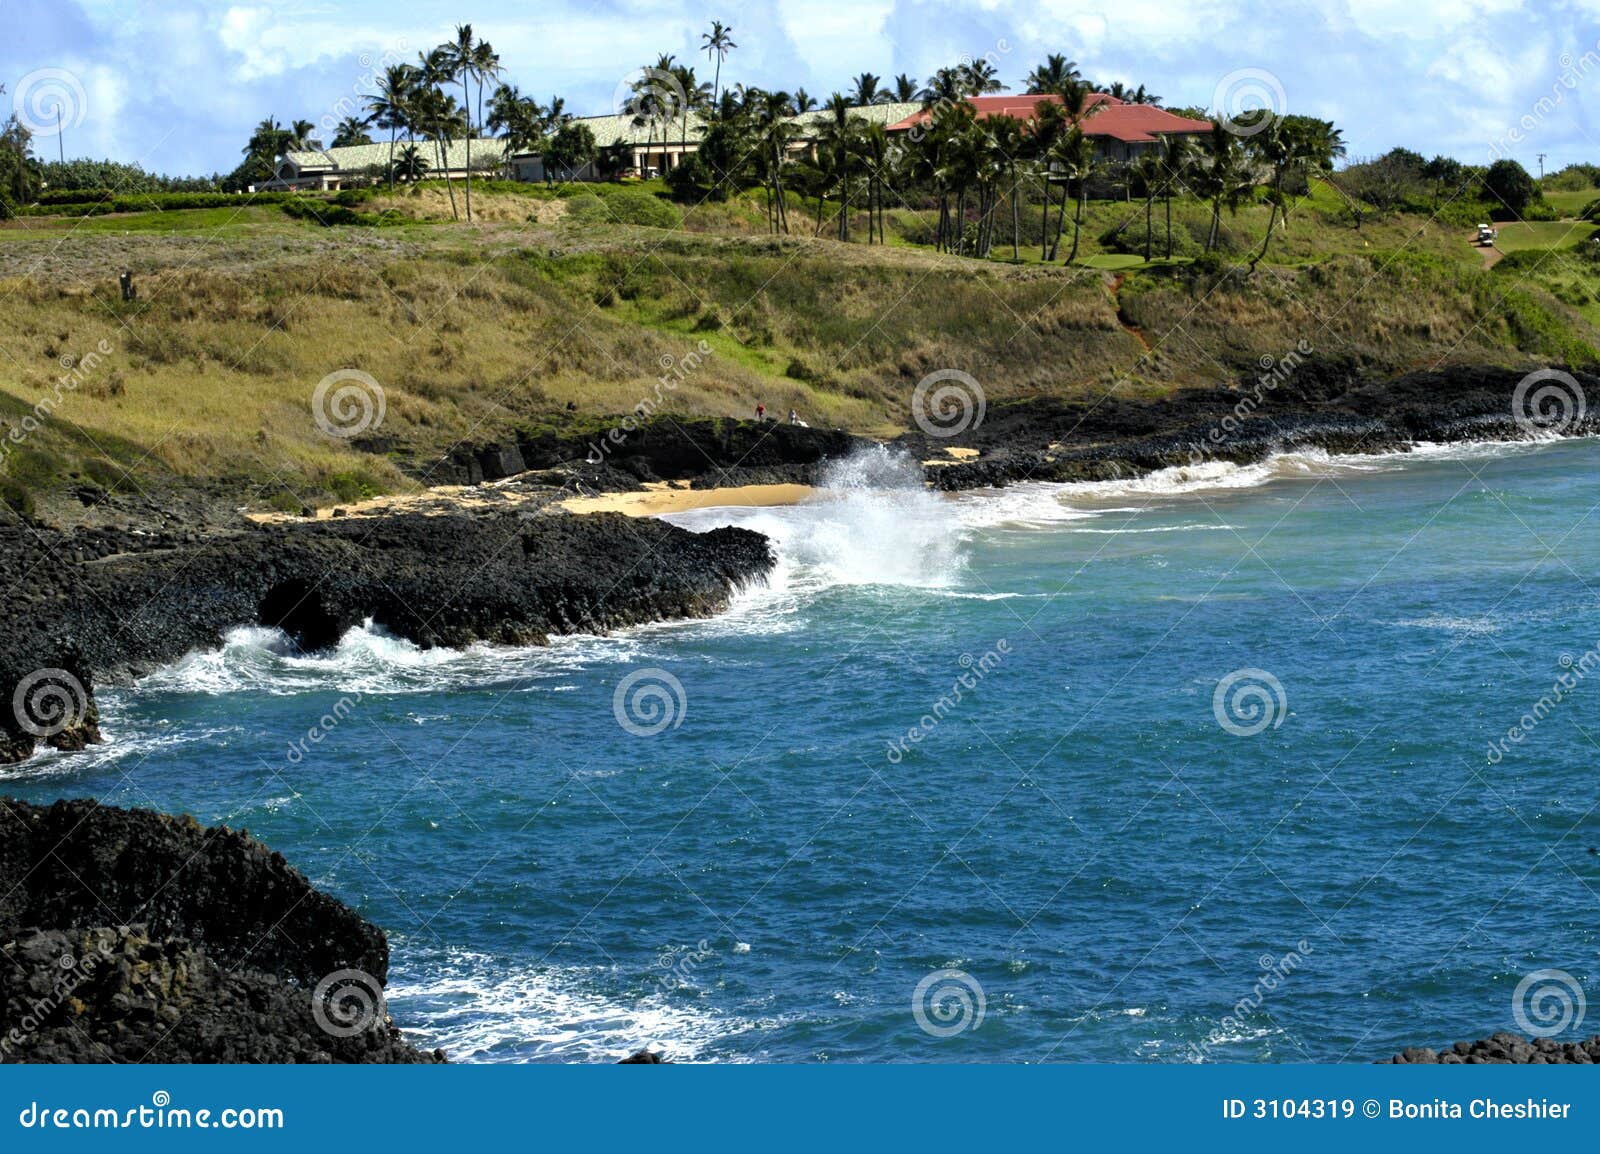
(1044,224)
(1016,252)
(1149,203)
(1169,222)
(394,130)
(466,100)
(1077,225)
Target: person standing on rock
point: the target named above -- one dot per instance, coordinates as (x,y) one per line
(761,412)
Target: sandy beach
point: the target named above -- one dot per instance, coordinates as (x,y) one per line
(661,498)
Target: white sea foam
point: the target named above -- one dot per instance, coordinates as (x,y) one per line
(872,522)
(479,1008)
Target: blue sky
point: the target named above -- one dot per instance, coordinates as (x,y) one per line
(175,85)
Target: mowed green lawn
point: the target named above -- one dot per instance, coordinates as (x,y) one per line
(1518,235)
(1571,202)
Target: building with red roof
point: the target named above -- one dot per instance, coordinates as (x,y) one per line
(1120,131)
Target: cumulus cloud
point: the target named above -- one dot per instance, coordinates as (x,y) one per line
(177,86)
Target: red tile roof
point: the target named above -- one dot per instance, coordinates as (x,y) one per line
(1104,116)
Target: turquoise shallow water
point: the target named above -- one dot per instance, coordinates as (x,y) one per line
(1114,865)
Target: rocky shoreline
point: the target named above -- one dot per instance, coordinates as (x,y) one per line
(180,958)
(109,604)
(132,936)
(1321,404)
(1505,1049)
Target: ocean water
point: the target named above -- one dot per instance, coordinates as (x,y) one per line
(1218,765)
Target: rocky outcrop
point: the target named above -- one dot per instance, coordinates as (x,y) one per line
(114,604)
(1316,405)
(136,937)
(706,451)
(1503,1048)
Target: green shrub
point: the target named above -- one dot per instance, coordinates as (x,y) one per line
(16,497)
(1131,239)
(353,486)
(106,474)
(623,206)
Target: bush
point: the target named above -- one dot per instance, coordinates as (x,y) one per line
(623,206)
(1131,239)
(156,202)
(16,497)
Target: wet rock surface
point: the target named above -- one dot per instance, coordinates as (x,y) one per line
(111,604)
(131,936)
(1324,406)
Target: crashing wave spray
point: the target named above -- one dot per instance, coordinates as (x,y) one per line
(874,522)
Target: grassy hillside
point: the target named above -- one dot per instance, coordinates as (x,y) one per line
(569,299)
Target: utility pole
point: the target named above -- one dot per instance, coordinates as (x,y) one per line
(1541,167)
(61,140)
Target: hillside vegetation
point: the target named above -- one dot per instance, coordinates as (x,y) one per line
(568,308)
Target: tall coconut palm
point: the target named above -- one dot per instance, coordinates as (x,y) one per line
(717,43)
(905,89)
(351,130)
(979,77)
(433,110)
(1176,157)
(485,69)
(802,102)
(458,58)
(838,138)
(1280,147)
(1054,74)
(301,139)
(1147,173)
(389,107)
(866,90)
(1075,156)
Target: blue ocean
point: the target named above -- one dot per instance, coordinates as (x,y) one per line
(1286,762)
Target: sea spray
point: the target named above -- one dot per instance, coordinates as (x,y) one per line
(876,523)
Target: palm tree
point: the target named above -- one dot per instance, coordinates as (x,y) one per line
(802,102)
(351,130)
(867,90)
(1176,156)
(1226,181)
(485,67)
(775,130)
(433,110)
(979,77)
(905,89)
(944,87)
(1075,155)
(412,165)
(876,153)
(1147,173)
(717,43)
(1280,146)
(1053,75)
(695,98)
(838,137)
(390,106)
(458,59)
(301,139)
